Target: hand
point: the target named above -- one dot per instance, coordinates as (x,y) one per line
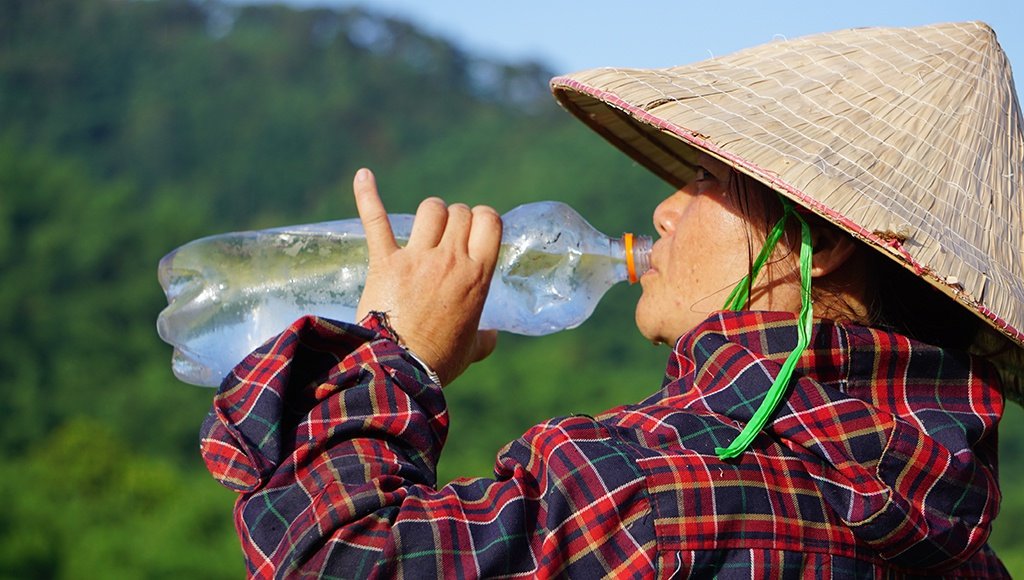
(434,289)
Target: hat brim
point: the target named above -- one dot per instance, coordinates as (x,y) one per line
(637,123)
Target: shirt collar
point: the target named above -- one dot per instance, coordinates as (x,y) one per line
(851,358)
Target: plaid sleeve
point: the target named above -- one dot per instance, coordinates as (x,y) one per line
(331,434)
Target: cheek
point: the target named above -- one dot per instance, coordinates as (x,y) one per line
(684,272)
(702,260)
(713,255)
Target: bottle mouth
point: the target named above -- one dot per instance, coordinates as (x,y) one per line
(638,255)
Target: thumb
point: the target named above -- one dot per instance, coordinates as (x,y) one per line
(486,342)
(483,345)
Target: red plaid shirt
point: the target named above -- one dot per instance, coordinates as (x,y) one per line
(881,462)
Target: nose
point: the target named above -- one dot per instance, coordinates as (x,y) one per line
(667,213)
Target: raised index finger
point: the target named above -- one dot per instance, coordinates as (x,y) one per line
(379,237)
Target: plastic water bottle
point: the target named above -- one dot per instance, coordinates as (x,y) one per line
(228,294)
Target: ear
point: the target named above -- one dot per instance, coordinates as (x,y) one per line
(832,248)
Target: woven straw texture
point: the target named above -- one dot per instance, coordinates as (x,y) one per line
(910,138)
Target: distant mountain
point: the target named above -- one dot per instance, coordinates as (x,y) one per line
(261,107)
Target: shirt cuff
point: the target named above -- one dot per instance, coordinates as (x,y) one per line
(430,372)
(378,321)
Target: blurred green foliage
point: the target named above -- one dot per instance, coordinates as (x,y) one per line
(128,128)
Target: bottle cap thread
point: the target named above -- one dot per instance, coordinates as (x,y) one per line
(630,260)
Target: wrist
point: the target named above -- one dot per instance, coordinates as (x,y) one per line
(380,322)
(426,368)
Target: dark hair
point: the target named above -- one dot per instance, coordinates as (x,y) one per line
(897,300)
(902,302)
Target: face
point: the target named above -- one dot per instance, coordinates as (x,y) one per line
(705,248)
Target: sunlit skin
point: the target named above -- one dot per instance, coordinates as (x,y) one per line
(434,288)
(704,249)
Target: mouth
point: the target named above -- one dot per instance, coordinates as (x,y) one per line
(654,260)
(648,275)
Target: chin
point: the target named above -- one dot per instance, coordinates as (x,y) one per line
(646,331)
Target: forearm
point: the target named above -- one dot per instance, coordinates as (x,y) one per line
(345,482)
(328,426)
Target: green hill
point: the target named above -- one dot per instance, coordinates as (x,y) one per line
(128,128)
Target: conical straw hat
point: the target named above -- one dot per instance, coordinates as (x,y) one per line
(909,138)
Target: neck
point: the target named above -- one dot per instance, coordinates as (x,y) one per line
(841,296)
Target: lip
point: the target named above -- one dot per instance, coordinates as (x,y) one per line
(650,272)
(654,258)
(646,280)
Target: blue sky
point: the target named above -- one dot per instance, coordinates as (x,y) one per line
(568,36)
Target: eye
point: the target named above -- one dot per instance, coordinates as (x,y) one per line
(703,174)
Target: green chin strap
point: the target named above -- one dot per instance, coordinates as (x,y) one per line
(738,299)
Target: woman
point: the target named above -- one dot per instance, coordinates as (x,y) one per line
(810,424)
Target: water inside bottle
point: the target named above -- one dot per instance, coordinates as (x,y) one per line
(229,294)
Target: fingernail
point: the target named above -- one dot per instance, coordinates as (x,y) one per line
(363,174)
